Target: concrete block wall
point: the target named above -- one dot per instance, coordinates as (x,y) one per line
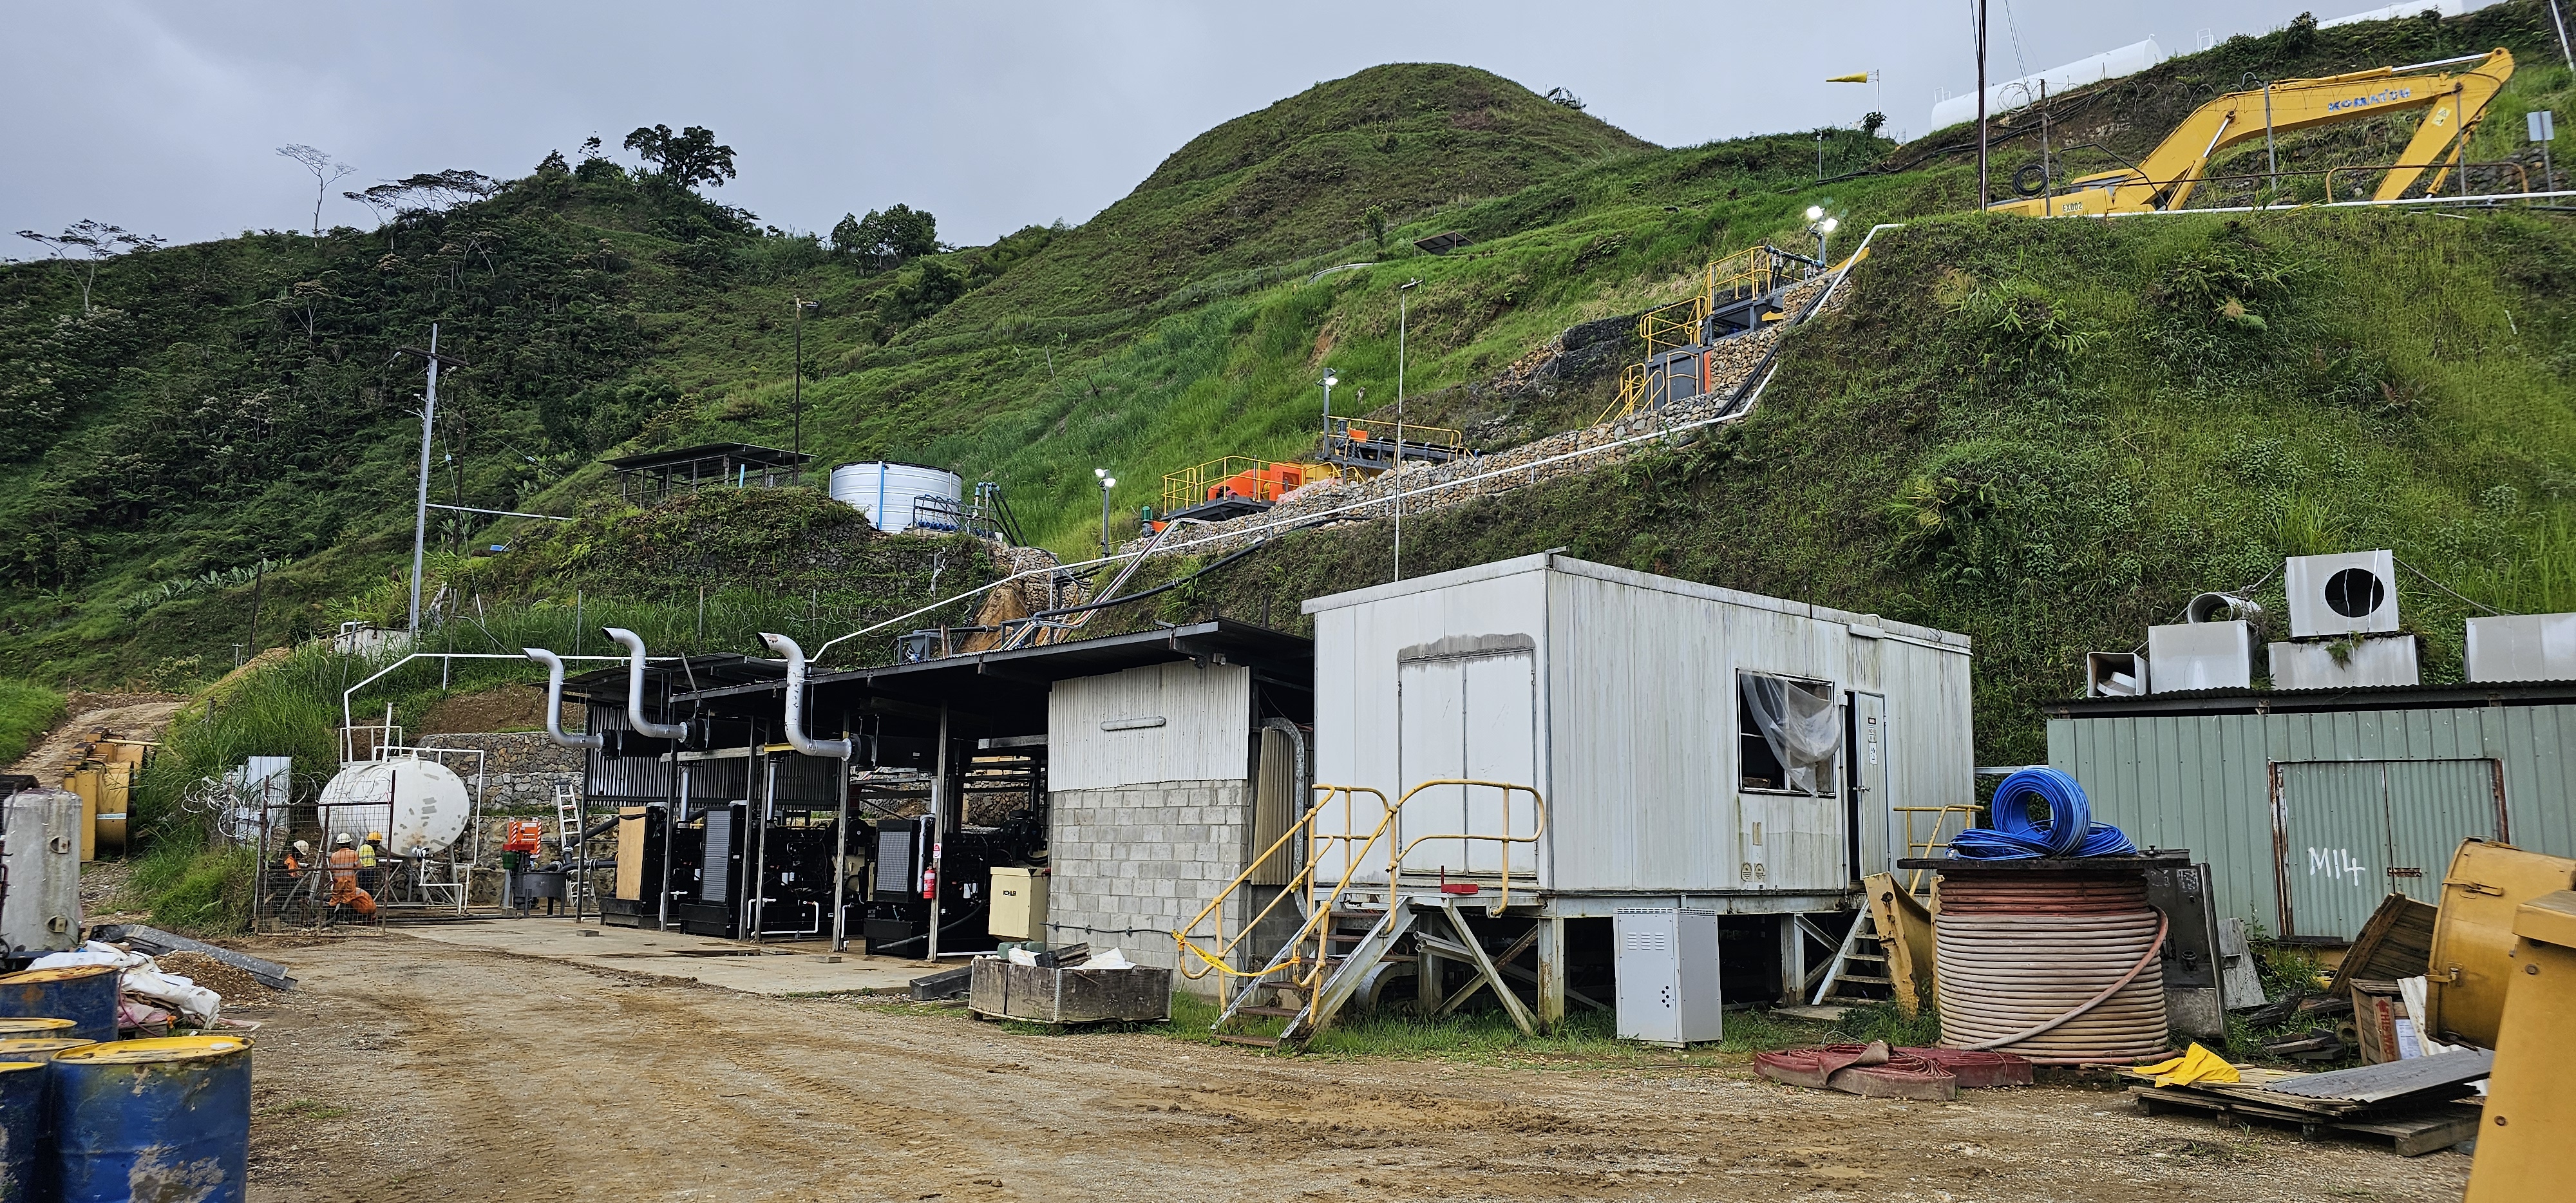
(1127,864)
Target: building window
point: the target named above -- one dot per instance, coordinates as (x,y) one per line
(1789,735)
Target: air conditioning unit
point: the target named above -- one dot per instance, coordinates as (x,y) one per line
(2523,647)
(2353,594)
(2114,674)
(2202,655)
(2365,663)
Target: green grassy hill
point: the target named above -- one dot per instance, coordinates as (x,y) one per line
(2043,434)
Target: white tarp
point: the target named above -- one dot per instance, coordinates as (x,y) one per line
(2017,93)
(1804,730)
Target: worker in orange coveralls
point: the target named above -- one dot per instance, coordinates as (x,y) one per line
(344,878)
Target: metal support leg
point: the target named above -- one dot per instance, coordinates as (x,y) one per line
(1551,972)
(1793,959)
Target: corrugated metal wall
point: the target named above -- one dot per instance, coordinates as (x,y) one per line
(1102,731)
(1636,709)
(2204,782)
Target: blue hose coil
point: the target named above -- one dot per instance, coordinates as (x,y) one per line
(2069,831)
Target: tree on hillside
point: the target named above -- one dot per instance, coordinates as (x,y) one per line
(1375,219)
(427,191)
(891,237)
(326,172)
(685,159)
(95,242)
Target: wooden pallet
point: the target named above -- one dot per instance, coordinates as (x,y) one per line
(2410,1135)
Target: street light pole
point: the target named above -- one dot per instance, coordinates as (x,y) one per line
(1107,482)
(1328,382)
(1402,294)
(1981,105)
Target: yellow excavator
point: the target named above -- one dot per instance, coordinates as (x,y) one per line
(2166,177)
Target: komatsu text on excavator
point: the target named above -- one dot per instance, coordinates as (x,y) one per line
(2166,177)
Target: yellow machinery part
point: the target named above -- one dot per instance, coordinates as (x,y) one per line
(2473,935)
(1905,935)
(630,854)
(86,781)
(2524,1152)
(2165,178)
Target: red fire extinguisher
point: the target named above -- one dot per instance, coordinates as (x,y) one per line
(930,874)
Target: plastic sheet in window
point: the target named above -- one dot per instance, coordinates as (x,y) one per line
(1800,723)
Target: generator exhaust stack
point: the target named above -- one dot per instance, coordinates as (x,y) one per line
(634,645)
(554,703)
(834,749)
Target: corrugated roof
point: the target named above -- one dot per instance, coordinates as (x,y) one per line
(2296,701)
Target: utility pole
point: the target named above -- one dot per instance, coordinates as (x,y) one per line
(1402,293)
(2561,23)
(428,416)
(796,445)
(420,515)
(1981,105)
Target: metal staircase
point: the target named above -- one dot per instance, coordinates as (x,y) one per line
(1858,973)
(1369,936)
(1332,954)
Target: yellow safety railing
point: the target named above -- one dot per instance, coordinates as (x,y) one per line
(1632,393)
(1923,848)
(1198,960)
(1672,327)
(1189,486)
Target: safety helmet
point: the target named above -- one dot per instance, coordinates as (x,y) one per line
(303,847)
(375,837)
(344,839)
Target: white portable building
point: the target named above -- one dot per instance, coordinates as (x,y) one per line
(1693,746)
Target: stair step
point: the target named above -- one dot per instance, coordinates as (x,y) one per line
(1863,956)
(1249,1041)
(1866,980)
(1281,1012)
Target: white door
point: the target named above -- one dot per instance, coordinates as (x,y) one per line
(1470,717)
(1872,821)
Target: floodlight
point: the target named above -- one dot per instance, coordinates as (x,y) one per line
(1815,211)
(1829,225)
(1108,482)
(1099,472)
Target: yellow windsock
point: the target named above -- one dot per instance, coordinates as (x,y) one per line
(1861,78)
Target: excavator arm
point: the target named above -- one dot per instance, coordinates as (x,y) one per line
(2166,178)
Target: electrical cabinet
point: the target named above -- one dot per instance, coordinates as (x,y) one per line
(1019,910)
(1667,969)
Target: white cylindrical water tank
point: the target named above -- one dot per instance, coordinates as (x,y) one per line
(889,494)
(423,803)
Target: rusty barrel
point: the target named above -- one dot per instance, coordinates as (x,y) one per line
(22,1111)
(84,994)
(35,1027)
(167,1118)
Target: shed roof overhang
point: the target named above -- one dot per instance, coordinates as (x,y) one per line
(2310,701)
(1004,693)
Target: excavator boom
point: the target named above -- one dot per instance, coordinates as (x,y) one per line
(2166,178)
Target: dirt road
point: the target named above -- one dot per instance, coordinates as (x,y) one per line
(407,1070)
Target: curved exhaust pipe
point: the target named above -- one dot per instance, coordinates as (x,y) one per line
(554,703)
(835,749)
(634,645)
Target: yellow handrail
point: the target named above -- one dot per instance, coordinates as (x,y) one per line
(1320,911)
(1967,813)
(1632,390)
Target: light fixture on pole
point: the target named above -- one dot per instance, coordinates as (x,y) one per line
(1821,226)
(1402,293)
(1328,382)
(1107,482)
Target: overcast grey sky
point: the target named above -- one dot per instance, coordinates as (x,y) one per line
(164,117)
